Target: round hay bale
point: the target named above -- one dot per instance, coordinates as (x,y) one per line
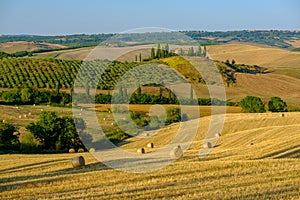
(251,143)
(207,145)
(80,150)
(281,115)
(150,145)
(71,150)
(91,150)
(29,114)
(78,161)
(25,115)
(4,121)
(176,152)
(140,151)
(104,119)
(218,134)
(20,116)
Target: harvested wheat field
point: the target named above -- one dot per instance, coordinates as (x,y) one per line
(256,157)
(280,61)
(284,86)
(12,47)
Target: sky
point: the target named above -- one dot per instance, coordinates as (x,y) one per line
(60,17)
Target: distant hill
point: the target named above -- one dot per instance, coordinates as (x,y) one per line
(13,47)
(282,39)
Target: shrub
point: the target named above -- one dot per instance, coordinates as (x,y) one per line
(28,143)
(8,138)
(276,104)
(173,115)
(54,132)
(252,104)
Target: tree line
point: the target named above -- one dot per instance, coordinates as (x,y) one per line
(52,133)
(253,104)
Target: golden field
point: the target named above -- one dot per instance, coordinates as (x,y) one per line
(280,61)
(256,157)
(12,47)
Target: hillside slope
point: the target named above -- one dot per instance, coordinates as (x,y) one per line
(280,61)
(244,136)
(257,157)
(267,85)
(12,47)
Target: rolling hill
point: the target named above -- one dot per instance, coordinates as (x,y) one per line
(256,157)
(13,47)
(280,61)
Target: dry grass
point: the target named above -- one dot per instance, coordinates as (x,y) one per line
(280,60)
(268,169)
(267,85)
(145,108)
(294,43)
(12,47)
(11,114)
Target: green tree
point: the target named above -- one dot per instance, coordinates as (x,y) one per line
(26,95)
(167,50)
(276,104)
(160,92)
(158,52)
(8,137)
(68,138)
(28,143)
(46,130)
(181,52)
(173,115)
(54,132)
(191,51)
(252,104)
(139,91)
(199,51)
(152,53)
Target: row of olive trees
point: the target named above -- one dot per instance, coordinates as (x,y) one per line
(254,104)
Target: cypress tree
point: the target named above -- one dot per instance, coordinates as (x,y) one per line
(204,52)
(158,52)
(199,52)
(152,53)
(160,92)
(139,91)
(191,93)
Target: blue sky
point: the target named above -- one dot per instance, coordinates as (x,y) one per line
(112,16)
